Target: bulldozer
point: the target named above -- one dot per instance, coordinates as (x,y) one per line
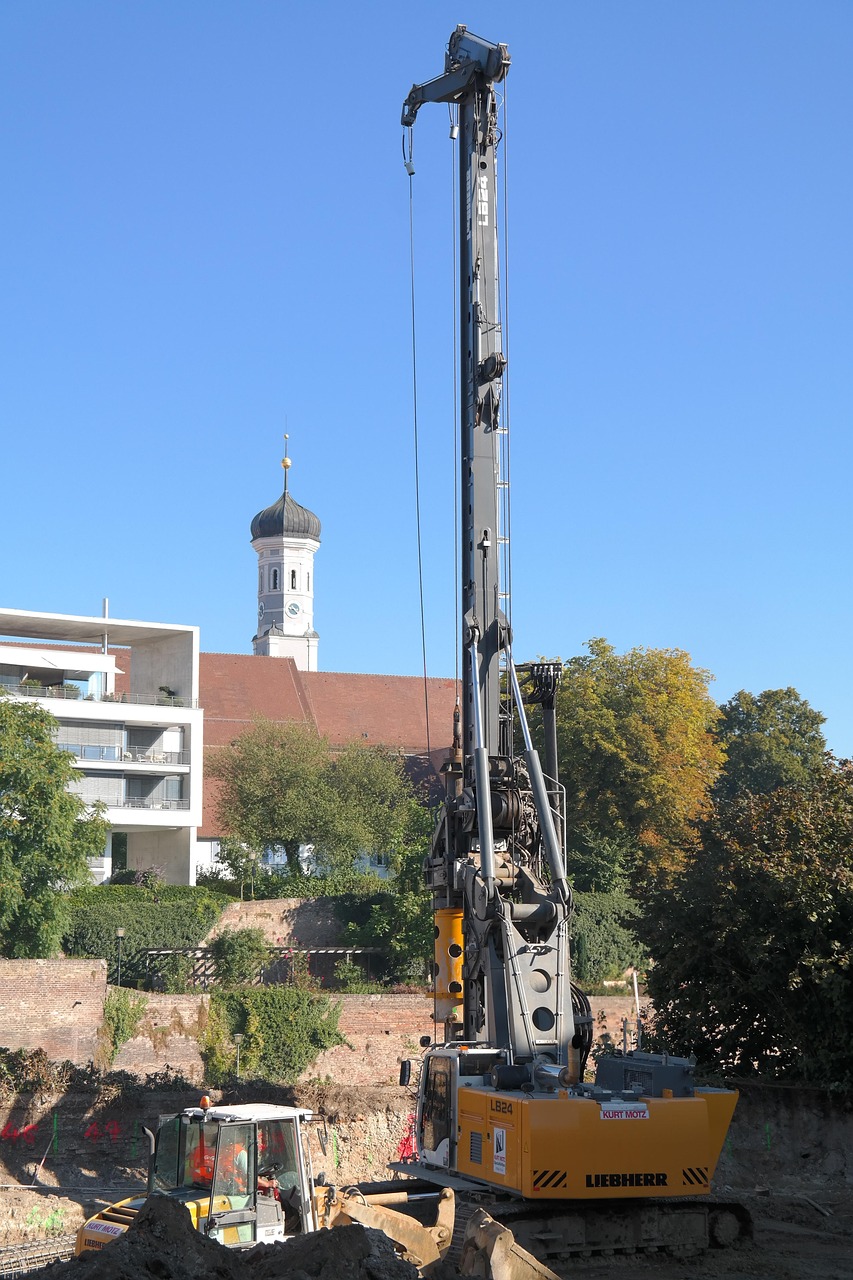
(245,1174)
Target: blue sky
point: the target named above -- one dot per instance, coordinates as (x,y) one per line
(204,243)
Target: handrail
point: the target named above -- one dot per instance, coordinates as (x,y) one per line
(148,802)
(116,754)
(65,694)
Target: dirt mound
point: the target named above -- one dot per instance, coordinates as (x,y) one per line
(162,1244)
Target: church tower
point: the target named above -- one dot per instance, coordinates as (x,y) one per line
(285,537)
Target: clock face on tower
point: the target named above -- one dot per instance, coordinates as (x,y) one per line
(293,609)
(260,611)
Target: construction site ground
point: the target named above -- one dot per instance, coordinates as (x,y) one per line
(789,1159)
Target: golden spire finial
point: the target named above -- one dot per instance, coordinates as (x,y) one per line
(286,462)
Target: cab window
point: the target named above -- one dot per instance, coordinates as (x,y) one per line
(436,1110)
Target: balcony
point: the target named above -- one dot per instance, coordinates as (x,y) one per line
(148,802)
(119,755)
(71,693)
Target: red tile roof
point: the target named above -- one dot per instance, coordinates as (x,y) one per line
(235,689)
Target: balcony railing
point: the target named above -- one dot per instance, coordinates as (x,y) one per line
(142,755)
(148,802)
(83,751)
(120,755)
(71,693)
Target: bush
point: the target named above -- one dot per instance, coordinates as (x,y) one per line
(163,916)
(284,1030)
(351,978)
(604,944)
(239,955)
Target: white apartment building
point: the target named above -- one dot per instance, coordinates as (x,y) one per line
(125,698)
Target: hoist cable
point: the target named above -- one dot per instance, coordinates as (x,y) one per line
(416,441)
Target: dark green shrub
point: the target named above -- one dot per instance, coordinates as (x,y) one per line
(239,955)
(603,941)
(284,1030)
(164,916)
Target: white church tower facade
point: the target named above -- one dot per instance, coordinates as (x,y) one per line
(285,537)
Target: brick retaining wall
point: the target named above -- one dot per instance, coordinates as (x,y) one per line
(55,1005)
(58,1005)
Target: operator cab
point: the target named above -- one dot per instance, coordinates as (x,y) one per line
(247,1168)
(446,1070)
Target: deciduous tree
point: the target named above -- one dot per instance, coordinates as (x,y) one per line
(281,785)
(47,834)
(772,739)
(752,940)
(637,750)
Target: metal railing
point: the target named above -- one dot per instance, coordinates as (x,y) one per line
(86,751)
(122,755)
(148,802)
(280,968)
(144,755)
(71,693)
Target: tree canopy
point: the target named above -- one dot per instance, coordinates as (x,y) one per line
(751,941)
(637,750)
(46,833)
(772,739)
(281,785)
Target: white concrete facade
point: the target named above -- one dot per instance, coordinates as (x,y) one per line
(138,751)
(286,599)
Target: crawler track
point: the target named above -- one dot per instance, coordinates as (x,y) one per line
(557,1231)
(23,1258)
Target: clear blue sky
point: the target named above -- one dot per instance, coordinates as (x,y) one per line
(204,242)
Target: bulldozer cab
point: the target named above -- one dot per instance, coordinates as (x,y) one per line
(245,1167)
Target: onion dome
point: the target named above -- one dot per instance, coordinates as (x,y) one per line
(287,519)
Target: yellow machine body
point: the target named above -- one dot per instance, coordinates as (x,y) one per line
(564,1147)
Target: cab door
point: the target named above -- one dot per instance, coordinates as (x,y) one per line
(437,1120)
(233,1218)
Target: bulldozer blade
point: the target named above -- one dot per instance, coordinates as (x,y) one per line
(490,1252)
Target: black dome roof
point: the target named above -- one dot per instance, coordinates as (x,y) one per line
(286,518)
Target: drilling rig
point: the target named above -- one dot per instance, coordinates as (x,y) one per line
(504,1103)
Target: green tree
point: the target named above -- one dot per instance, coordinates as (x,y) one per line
(280,785)
(47,834)
(751,941)
(241,862)
(637,750)
(400,917)
(772,740)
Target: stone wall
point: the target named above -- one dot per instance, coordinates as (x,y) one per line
(55,1005)
(168,1038)
(58,1005)
(284,921)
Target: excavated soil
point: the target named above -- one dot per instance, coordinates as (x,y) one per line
(788,1158)
(162,1245)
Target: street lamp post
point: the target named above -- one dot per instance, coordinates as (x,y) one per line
(238,1040)
(119,936)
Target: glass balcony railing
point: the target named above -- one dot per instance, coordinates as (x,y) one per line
(118,755)
(148,802)
(71,693)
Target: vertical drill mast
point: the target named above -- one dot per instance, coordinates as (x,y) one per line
(501,928)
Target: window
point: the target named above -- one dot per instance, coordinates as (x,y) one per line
(274,580)
(437,1103)
(292,579)
(308,582)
